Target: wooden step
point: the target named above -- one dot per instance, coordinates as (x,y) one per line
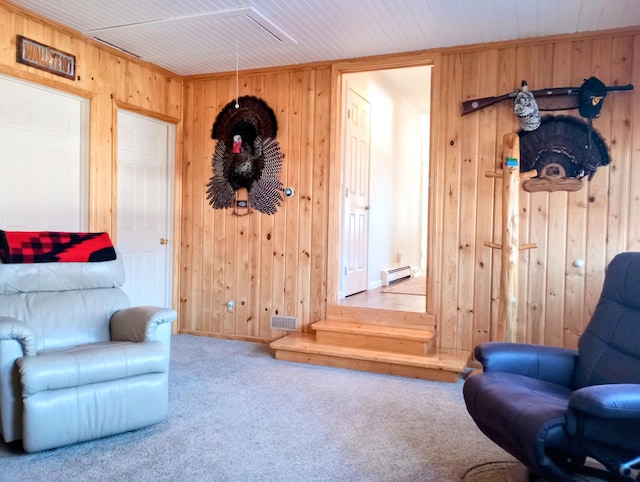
(410,341)
(438,364)
(377,316)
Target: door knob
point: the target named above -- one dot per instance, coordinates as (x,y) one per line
(164,241)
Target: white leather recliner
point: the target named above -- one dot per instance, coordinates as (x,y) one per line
(76,362)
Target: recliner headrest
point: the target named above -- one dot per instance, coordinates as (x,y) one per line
(31,277)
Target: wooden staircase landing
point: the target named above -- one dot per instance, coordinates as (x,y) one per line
(399,351)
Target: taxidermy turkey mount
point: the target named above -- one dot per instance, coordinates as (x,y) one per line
(563,150)
(247,155)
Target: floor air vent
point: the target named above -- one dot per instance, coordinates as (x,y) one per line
(390,276)
(284,323)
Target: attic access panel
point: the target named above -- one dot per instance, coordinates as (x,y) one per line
(174,36)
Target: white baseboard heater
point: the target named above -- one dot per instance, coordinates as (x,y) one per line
(390,276)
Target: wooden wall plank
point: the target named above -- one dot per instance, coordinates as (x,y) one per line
(507,82)
(469,215)
(437,150)
(488,86)
(196,196)
(292,207)
(538,216)
(265,238)
(251,322)
(319,196)
(187,317)
(595,260)
(241,270)
(230,221)
(619,143)
(575,242)
(557,230)
(7,37)
(209,312)
(285,83)
(216,296)
(527,67)
(307,143)
(633,243)
(453,72)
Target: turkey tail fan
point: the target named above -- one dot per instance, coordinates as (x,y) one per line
(265,196)
(218,160)
(250,109)
(564,140)
(265,193)
(220,193)
(272,159)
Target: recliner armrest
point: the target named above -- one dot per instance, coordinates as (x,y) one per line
(621,401)
(606,414)
(548,363)
(139,323)
(13,329)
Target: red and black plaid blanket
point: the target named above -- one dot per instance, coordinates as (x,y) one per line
(52,246)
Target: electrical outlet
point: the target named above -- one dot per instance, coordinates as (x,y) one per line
(231,306)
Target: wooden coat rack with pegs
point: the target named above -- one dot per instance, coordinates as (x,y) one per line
(510,246)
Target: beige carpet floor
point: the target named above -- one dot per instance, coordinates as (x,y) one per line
(236,414)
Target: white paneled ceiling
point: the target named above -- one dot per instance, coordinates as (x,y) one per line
(192,37)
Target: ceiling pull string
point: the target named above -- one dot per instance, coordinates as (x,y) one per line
(237,106)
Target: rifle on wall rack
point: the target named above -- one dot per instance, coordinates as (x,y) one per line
(557,98)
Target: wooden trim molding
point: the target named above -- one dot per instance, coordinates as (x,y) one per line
(333,256)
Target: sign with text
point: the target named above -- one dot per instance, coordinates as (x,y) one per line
(43,57)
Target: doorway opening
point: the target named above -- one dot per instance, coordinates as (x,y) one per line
(384,187)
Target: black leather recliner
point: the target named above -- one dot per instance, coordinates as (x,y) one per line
(552,407)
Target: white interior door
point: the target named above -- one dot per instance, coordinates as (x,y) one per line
(43,158)
(355,225)
(145,207)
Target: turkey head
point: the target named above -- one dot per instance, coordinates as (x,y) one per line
(246,155)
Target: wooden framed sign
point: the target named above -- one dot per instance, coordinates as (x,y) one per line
(43,57)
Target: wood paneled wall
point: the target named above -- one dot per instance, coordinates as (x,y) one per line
(556,298)
(109,80)
(278,264)
(266,264)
